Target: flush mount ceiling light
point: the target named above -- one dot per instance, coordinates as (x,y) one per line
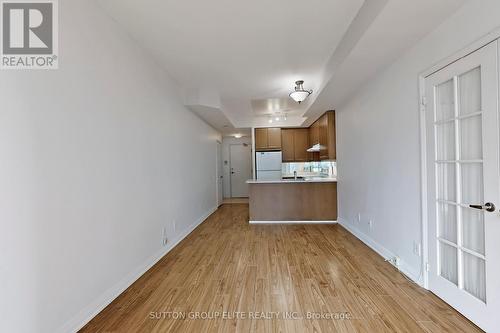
(238,136)
(300,94)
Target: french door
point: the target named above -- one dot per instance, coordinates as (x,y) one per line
(462,143)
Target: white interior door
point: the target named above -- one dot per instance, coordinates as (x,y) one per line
(240,169)
(219,177)
(462,142)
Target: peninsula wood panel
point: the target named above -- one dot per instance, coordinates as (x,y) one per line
(227,264)
(293,201)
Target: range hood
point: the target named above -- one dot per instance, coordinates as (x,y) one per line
(315,148)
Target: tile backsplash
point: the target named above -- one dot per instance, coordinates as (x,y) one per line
(323,168)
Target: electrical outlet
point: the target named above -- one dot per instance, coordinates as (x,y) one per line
(164,237)
(174,222)
(370,224)
(359,217)
(395,261)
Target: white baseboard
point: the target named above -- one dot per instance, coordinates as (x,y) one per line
(382,251)
(90,311)
(293,222)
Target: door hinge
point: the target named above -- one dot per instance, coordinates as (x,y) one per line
(423,101)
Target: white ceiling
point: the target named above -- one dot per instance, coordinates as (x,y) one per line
(246,55)
(399,26)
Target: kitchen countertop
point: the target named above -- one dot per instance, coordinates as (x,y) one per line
(286,181)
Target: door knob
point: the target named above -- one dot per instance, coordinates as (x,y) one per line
(489,207)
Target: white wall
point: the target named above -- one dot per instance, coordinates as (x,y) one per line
(226,142)
(379,142)
(96,159)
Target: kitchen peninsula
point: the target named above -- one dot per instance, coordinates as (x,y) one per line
(296,176)
(289,200)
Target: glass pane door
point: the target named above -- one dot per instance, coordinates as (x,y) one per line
(459,176)
(462,165)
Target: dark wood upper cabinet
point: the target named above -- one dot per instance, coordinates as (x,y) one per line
(301,144)
(314,133)
(267,139)
(288,144)
(323,136)
(327,136)
(260,139)
(294,144)
(332,136)
(274,138)
(322,132)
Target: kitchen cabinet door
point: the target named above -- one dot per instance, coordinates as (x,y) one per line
(323,136)
(274,138)
(314,133)
(287,144)
(260,139)
(332,136)
(301,144)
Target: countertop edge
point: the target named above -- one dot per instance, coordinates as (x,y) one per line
(291,181)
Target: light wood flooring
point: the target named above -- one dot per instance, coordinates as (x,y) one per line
(235,201)
(228,266)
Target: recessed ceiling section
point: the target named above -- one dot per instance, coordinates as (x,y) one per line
(270,106)
(218,120)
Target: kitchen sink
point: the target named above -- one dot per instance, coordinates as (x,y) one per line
(293,178)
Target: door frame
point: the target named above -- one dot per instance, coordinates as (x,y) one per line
(471,48)
(230,167)
(218,149)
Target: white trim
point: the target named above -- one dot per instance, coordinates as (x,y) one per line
(294,222)
(91,310)
(382,251)
(474,46)
(254,166)
(423,182)
(218,149)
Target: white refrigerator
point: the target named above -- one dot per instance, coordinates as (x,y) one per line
(268,165)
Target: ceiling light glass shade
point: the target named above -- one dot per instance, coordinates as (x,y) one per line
(300,94)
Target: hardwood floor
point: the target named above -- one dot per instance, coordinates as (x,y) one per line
(227,265)
(235,201)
